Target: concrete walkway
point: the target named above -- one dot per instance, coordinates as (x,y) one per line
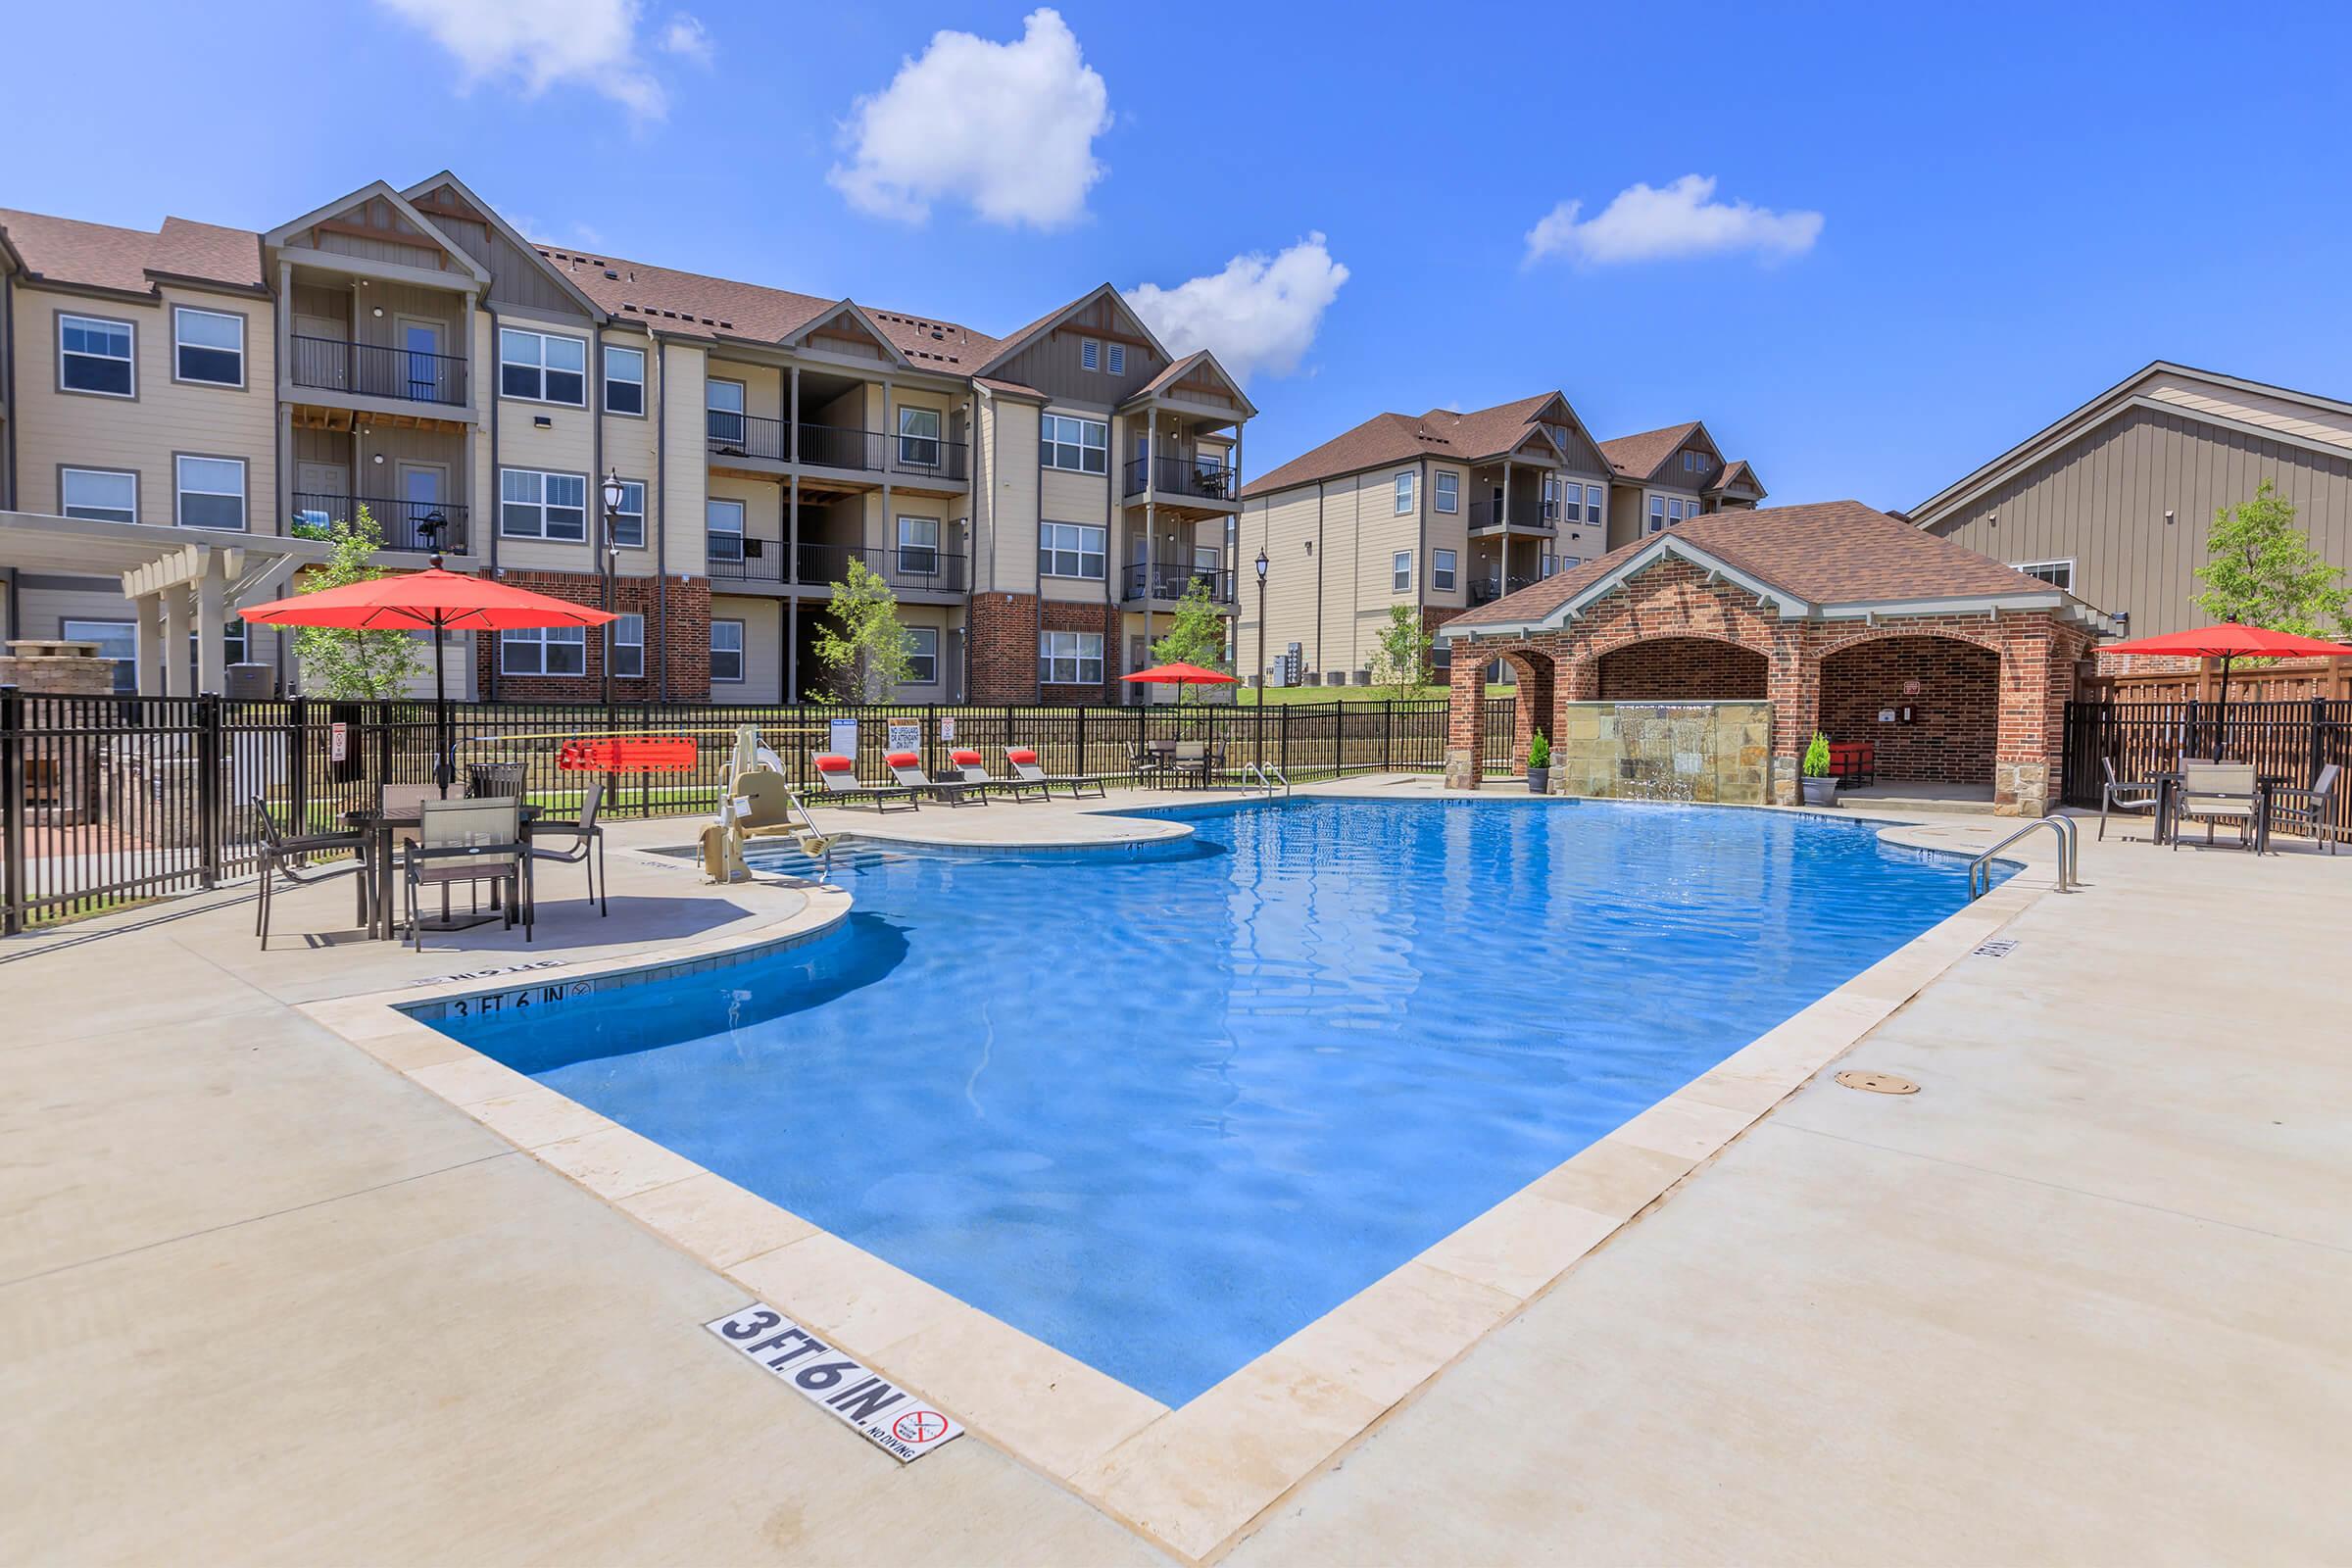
(2080,1299)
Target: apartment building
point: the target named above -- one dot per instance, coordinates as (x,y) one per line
(1444,510)
(1036,501)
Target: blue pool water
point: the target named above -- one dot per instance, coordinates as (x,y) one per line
(1161,1110)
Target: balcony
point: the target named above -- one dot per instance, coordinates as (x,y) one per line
(1201,478)
(1170,582)
(1486,590)
(746,435)
(1532,512)
(368,369)
(419,525)
(734,558)
(829,446)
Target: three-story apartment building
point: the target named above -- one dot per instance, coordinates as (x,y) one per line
(1664,477)
(1034,502)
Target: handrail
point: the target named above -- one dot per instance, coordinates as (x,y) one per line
(2070,864)
(1267,778)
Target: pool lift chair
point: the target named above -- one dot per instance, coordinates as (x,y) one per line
(759,802)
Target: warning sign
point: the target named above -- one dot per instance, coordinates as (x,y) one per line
(905,737)
(893,1419)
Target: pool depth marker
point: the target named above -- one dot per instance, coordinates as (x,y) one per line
(895,1420)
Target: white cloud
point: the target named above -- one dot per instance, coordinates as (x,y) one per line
(546,43)
(1260,314)
(1641,224)
(1008,126)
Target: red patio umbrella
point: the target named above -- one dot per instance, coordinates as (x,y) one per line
(1180,674)
(433,600)
(2225,642)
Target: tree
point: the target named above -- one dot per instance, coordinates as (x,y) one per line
(2262,572)
(1197,634)
(865,649)
(1401,659)
(355,665)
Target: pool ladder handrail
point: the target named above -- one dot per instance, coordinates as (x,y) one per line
(810,830)
(1266,777)
(2070,862)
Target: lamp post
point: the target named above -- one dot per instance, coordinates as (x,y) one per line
(1262,565)
(613,496)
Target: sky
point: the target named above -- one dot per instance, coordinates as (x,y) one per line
(1871,246)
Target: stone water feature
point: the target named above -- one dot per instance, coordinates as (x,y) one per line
(1701,753)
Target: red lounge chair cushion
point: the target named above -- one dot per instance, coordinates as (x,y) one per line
(1024,755)
(834,764)
(903,759)
(964,759)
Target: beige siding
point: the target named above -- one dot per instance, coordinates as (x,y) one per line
(940,619)
(2101,502)
(1011,538)
(678,371)
(1064,496)
(2285,416)
(763,649)
(1451,530)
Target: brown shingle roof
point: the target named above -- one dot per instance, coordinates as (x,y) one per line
(66,250)
(1638,457)
(1827,552)
(1387,438)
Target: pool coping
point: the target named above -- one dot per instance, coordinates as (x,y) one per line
(1194,1479)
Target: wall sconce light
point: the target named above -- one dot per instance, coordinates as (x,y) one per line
(377,460)
(377,312)
(1311,547)
(2168,517)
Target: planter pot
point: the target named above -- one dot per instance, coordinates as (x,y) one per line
(1538,781)
(1820,791)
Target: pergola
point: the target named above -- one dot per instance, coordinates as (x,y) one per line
(179,581)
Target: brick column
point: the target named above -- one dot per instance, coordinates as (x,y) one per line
(1534,707)
(2037,675)
(1466,720)
(1792,684)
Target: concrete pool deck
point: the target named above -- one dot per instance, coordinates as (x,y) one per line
(267,1300)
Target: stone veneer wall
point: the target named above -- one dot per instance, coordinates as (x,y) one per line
(1708,753)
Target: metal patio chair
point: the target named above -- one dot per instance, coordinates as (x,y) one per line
(2310,811)
(471,842)
(587,846)
(281,853)
(2213,793)
(2134,797)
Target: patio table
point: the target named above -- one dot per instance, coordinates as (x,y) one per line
(2169,785)
(382,828)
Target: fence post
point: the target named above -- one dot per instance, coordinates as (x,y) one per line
(384,747)
(1080,765)
(298,764)
(2319,753)
(210,806)
(1387,732)
(12,811)
(1283,743)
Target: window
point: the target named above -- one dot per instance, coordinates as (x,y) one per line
(1595,499)
(1449,492)
(1571,563)
(726,651)
(724,520)
(627,653)
(1072,549)
(918,546)
(922,655)
(723,401)
(542,506)
(1404,494)
(232,651)
(628,518)
(1689,460)
(211,492)
(208,346)
(1069,658)
(1658,514)
(1402,569)
(542,367)
(102,493)
(918,437)
(1080,446)
(1117,360)
(93,355)
(2057,573)
(1552,499)
(117,640)
(624,380)
(544,650)
(1440,570)
(1090,354)
(1548,565)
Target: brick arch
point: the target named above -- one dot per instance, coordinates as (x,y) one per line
(1538,673)
(1956,733)
(1600,647)
(1986,634)
(1682,669)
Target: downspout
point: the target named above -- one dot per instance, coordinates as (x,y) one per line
(280,420)
(497,489)
(661,535)
(8,372)
(599,537)
(1320,552)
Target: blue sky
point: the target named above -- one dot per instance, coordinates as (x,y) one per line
(2016,207)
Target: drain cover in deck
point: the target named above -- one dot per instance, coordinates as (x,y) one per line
(1878,1083)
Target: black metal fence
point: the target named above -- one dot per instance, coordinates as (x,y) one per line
(111,800)
(2289,740)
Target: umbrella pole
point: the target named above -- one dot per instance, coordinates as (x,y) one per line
(2220,725)
(441,747)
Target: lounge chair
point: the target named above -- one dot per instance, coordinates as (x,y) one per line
(2213,793)
(280,854)
(975,773)
(1024,767)
(840,777)
(469,841)
(587,843)
(2137,796)
(2310,811)
(907,768)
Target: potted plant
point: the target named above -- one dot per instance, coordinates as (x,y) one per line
(1539,765)
(1821,789)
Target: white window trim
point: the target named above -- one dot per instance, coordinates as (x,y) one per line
(1401,571)
(1114,358)
(1052,443)
(915,636)
(1446,564)
(541,366)
(606,366)
(244,487)
(714,505)
(1047,550)
(539,637)
(1090,354)
(178,310)
(125,666)
(1076,657)
(543,536)
(132,474)
(1405,498)
(616,642)
(132,328)
(643,491)
(1448,489)
(743,660)
(2035,568)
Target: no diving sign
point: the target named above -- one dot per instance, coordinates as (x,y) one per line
(892,1419)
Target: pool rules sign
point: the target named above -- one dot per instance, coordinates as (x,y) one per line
(899,1423)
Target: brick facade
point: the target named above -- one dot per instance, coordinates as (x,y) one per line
(1062,616)
(1003,633)
(1683,669)
(681,610)
(2034,653)
(1953,689)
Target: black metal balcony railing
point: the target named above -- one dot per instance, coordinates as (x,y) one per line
(420,525)
(372,371)
(1204,478)
(829,446)
(1486,590)
(745,435)
(1526,511)
(736,559)
(1171,581)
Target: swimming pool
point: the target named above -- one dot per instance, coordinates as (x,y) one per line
(1161,1107)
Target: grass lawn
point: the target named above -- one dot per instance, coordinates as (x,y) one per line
(1245,697)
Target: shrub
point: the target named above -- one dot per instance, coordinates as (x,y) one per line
(1538,752)
(1817,756)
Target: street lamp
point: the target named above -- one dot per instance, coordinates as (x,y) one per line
(1262,565)
(614,493)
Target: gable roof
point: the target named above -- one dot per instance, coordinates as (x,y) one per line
(1387,438)
(498,226)
(2252,407)
(132,261)
(1006,348)
(376,190)
(1197,360)
(1641,457)
(1826,559)
(1736,471)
